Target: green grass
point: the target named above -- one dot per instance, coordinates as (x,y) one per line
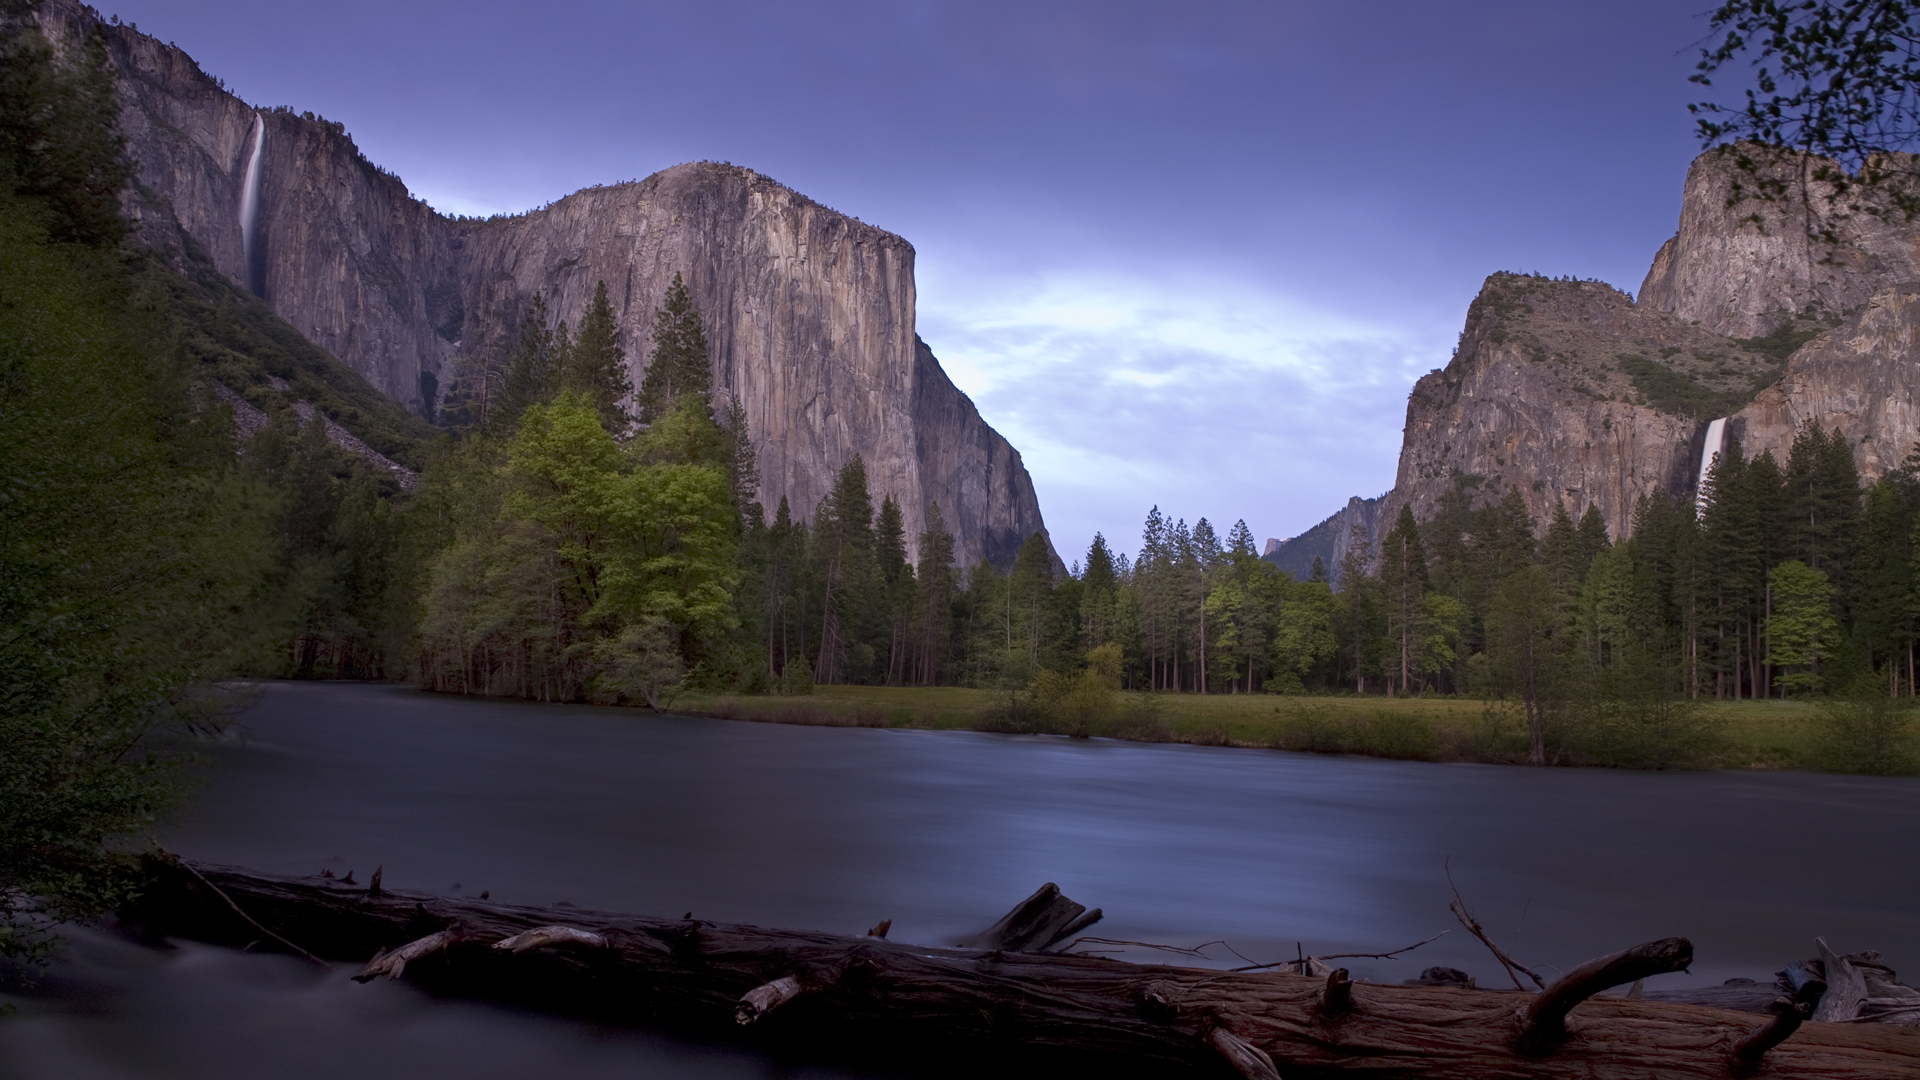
(1749,734)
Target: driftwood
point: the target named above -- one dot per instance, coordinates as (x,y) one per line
(872,1000)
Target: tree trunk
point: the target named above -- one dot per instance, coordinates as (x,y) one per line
(879,1002)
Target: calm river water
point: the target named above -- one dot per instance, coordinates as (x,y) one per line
(835,829)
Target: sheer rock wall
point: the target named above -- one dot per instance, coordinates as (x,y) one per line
(810,313)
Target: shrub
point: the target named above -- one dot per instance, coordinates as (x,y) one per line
(1867,732)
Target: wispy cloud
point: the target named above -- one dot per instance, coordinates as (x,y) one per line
(1205,397)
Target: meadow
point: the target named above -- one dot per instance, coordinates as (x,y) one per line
(1722,734)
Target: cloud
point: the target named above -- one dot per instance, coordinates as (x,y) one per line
(1202,396)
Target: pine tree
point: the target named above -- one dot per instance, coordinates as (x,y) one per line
(896,586)
(934,614)
(1358,610)
(534,366)
(60,138)
(843,535)
(743,467)
(597,366)
(680,363)
(1403,589)
(1100,582)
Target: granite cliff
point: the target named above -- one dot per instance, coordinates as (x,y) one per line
(810,313)
(1780,301)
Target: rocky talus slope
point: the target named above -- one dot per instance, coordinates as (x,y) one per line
(810,313)
(1780,302)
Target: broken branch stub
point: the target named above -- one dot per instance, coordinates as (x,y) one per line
(1544,1018)
(393,964)
(763,999)
(1247,1059)
(1038,921)
(543,936)
(1787,1015)
(1338,996)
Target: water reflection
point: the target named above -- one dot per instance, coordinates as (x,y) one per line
(838,828)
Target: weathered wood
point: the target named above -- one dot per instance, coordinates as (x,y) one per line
(1338,996)
(1846,988)
(889,1002)
(1805,980)
(1787,1015)
(1543,1021)
(1045,918)
(541,937)
(763,999)
(1247,1059)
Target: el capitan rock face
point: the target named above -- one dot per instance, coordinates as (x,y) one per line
(810,313)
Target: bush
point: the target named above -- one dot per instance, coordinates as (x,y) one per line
(1142,718)
(796,680)
(1647,732)
(1315,729)
(1867,732)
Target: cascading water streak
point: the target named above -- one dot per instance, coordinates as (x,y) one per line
(250,209)
(1716,439)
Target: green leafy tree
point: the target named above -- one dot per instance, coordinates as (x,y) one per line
(1801,629)
(1836,78)
(131,556)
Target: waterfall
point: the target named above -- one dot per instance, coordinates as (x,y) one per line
(1716,438)
(250,212)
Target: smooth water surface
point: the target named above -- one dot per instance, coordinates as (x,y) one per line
(836,828)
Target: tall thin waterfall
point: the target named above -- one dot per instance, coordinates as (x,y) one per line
(1716,439)
(250,211)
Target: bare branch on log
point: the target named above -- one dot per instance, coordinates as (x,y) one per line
(880,928)
(1459,909)
(1247,1059)
(228,900)
(1544,1018)
(543,936)
(1348,955)
(762,1000)
(1787,1015)
(393,964)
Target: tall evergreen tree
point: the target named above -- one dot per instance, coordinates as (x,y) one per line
(843,534)
(60,139)
(934,614)
(680,363)
(596,366)
(534,365)
(1403,589)
(743,466)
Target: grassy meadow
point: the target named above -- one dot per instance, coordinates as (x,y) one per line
(1724,734)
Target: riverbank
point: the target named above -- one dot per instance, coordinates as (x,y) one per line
(1718,735)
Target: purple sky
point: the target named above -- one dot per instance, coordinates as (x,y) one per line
(1190,254)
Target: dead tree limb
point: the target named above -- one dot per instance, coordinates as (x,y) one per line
(884,1002)
(1544,1019)
(1459,909)
(1787,1015)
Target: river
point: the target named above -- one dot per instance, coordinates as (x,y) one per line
(838,828)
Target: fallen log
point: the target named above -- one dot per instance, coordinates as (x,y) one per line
(874,1000)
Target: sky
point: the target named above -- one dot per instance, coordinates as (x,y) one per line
(1191,255)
